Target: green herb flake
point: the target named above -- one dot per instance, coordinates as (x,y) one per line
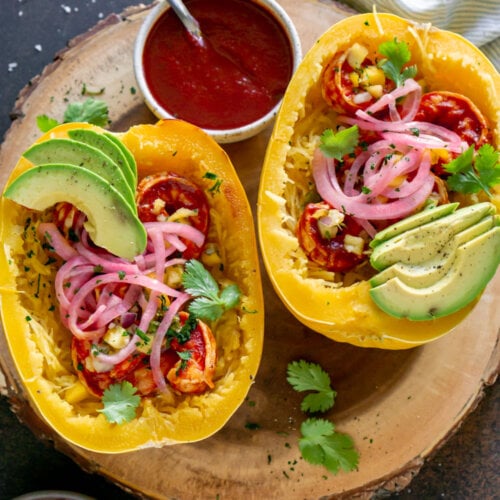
(184,356)
(252,426)
(215,188)
(143,336)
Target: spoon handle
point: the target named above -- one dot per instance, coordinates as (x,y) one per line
(189,22)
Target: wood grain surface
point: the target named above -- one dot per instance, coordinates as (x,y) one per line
(398,406)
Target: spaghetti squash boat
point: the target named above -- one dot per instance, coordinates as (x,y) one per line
(378,199)
(134,316)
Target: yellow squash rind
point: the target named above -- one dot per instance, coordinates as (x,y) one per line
(34,336)
(347,314)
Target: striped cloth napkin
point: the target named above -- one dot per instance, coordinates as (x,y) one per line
(476,20)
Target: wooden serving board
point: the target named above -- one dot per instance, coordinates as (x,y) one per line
(398,406)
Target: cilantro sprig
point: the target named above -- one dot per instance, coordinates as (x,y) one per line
(338,144)
(210,303)
(120,402)
(320,443)
(472,172)
(397,55)
(304,376)
(92,110)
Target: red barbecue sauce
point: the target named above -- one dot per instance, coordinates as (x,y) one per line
(236,76)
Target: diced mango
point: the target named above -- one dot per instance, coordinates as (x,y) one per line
(356,55)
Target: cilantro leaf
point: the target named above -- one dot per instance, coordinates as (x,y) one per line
(304,376)
(209,302)
(92,111)
(397,54)
(120,403)
(473,172)
(337,145)
(321,445)
(46,123)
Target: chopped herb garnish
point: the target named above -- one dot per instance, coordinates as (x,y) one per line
(185,357)
(215,188)
(397,54)
(474,171)
(252,426)
(209,303)
(120,402)
(182,333)
(337,145)
(143,336)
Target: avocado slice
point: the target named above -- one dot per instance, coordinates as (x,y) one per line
(421,243)
(475,264)
(68,151)
(108,147)
(126,153)
(427,215)
(429,272)
(112,224)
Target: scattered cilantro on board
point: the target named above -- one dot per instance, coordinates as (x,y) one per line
(120,402)
(92,111)
(304,376)
(320,443)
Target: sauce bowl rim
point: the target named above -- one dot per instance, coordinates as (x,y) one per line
(219,135)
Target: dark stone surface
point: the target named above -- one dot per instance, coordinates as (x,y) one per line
(32,32)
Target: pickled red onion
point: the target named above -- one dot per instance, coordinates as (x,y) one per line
(363,205)
(60,244)
(411,90)
(95,288)
(155,357)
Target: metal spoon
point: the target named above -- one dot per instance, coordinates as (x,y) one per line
(189,22)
